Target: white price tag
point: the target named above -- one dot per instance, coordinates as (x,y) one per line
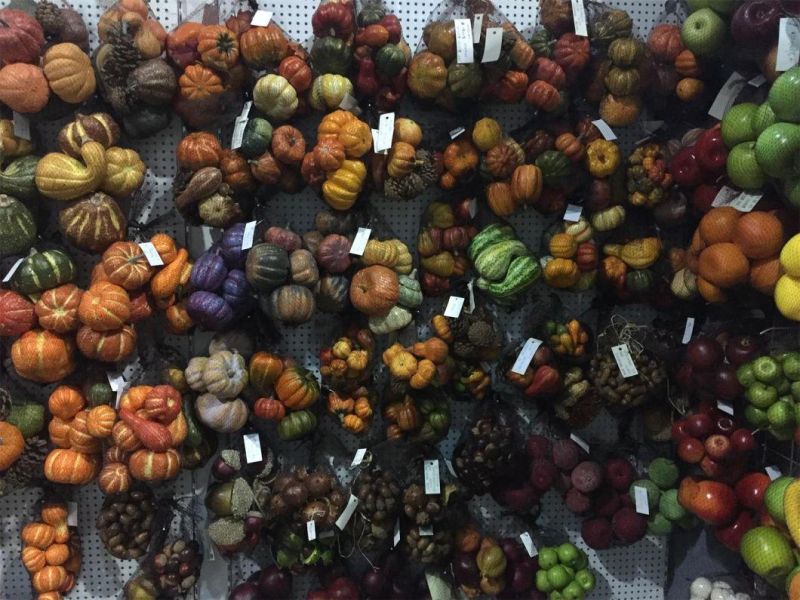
(248,234)
(22,126)
(471,290)
(757,81)
(396,539)
(115,380)
(7,277)
(425,530)
(580,441)
(347,513)
(359,457)
(494,41)
(579,18)
(727,95)
(261,18)
(642,502)
(724,196)
(477,26)
(773,471)
(72,514)
(464,50)
(454,133)
(121,390)
(788,44)
(688,330)
(605,130)
(360,241)
(252,448)
(246,109)
(573,213)
(311,530)
(527,541)
(432,481)
(473,207)
(624,360)
(383,141)
(151,254)
(725,407)
(526,356)
(454,306)
(375,143)
(238,132)
(745,201)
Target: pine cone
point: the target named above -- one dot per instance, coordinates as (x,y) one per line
(5,403)
(49,17)
(29,466)
(123,59)
(484,455)
(480,333)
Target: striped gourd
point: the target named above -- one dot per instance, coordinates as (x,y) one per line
(43,271)
(17,227)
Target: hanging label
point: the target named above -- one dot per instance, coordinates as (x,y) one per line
(72,514)
(724,196)
(121,392)
(454,133)
(464,50)
(115,380)
(477,27)
(311,530)
(642,502)
(359,457)
(725,407)
(210,14)
(491,48)
(605,130)
(261,18)
(573,213)
(579,18)
(454,306)
(726,96)
(438,588)
(396,539)
(526,356)
(527,541)
(348,511)
(788,44)
(248,234)
(473,207)
(745,201)
(688,330)
(238,132)
(425,530)
(471,290)
(624,360)
(580,441)
(151,254)
(252,448)
(375,142)
(360,241)
(12,270)
(22,126)
(773,471)
(757,81)
(432,481)
(383,140)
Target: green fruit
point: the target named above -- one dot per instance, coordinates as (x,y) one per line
(573,591)
(781,415)
(776,147)
(703,32)
(542,583)
(767,553)
(743,168)
(28,418)
(653,492)
(663,472)
(568,554)
(737,124)
(761,395)
(558,577)
(773,497)
(791,191)
(757,417)
(794,390)
(670,507)
(783,96)
(763,118)
(658,524)
(745,375)
(586,578)
(548,558)
(791,366)
(767,370)
(555,595)
(583,560)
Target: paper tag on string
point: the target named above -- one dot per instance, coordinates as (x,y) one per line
(773,471)
(757,81)
(7,277)
(477,27)
(151,254)
(605,130)
(622,355)
(450,468)
(580,441)
(311,530)
(492,46)
(72,514)
(238,132)
(788,44)
(745,201)
(261,18)
(359,457)
(725,407)
(248,235)
(454,133)
(438,588)
(471,291)
(252,448)
(348,511)
(688,330)
(396,539)
(432,481)
(22,126)
(360,241)
(383,141)
(642,502)
(115,380)
(527,541)
(525,356)
(464,50)
(573,213)
(376,142)
(727,95)
(579,18)
(454,306)
(724,196)
(425,530)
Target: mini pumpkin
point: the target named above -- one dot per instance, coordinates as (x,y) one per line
(105,306)
(69,72)
(43,356)
(374,290)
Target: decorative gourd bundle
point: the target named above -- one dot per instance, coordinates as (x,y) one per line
(33,77)
(354,410)
(172,572)
(506,268)
(680,70)
(269,48)
(407,170)
(460,160)
(335,165)
(446,231)
(330,243)
(604,163)
(730,248)
(18,167)
(333,24)
(626,268)
(542,377)
(62,24)
(441,512)
(572,259)
(436,74)
(381,55)
(347,363)
(76,434)
(219,379)
(379,505)
(419,366)
(145,441)
(648,178)
(23,449)
(51,552)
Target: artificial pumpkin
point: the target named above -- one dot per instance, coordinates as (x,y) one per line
(331,55)
(602,158)
(225,374)
(197,150)
(221,416)
(264,369)
(256,138)
(21,37)
(69,72)
(329,154)
(17,227)
(18,178)
(342,187)
(500,199)
(297,388)
(622,82)
(43,356)
(374,290)
(526,184)
(460,157)
(11,445)
(297,72)
(288,145)
(125,265)
(267,266)
(218,47)
(16,314)
(23,88)
(620,111)
(100,421)
(43,270)
(262,47)
(292,304)
(665,42)
(57,308)
(543,95)
(94,223)
(199,83)
(236,171)
(104,306)
(303,268)
(333,293)
(464,80)
(275,97)
(328,91)
(67,466)
(269,409)
(427,75)
(106,346)
(62,177)
(124,172)
(147,465)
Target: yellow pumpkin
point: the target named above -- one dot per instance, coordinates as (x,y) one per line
(124,172)
(561,273)
(563,245)
(62,177)
(408,131)
(69,73)
(275,97)
(356,137)
(328,91)
(486,134)
(342,187)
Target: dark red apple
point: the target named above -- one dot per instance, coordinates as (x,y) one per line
(699,425)
(678,431)
(730,535)
(750,490)
(718,447)
(711,467)
(726,385)
(691,450)
(741,349)
(343,588)
(743,440)
(619,473)
(538,446)
(711,151)
(685,168)
(704,353)
(703,195)
(755,22)
(543,474)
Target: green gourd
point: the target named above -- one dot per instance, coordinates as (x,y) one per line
(194,435)
(488,236)
(43,271)
(397,318)
(28,418)
(555,167)
(369,15)
(410,291)
(522,274)
(330,55)
(257,137)
(464,80)
(389,60)
(17,227)
(493,262)
(297,424)
(640,281)
(267,266)
(17,179)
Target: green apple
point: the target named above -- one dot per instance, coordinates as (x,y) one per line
(568,554)
(776,148)
(763,118)
(757,417)
(781,414)
(703,32)
(791,191)
(794,390)
(737,124)
(542,583)
(761,395)
(767,370)
(586,578)
(658,524)
(555,595)
(791,365)
(670,507)
(723,7)
(558,577)
(767,553)
(783,96)
(583,560)
(743,168)
(548,557)
(773,497)
(573,591)
(663,472)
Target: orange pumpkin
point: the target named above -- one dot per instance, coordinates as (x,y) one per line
(686,64)
(329,154)
(64,465)
(165,246)
(125,265)
(236,171)
(199,149)
(106,346)
(114,478)
(147,465)
(288,145)
(665,42)
(264,369)
(43,356)
(49,579)
(199,83)
(79,437)
(57,554)
(500,199)
(23,88)
(11,445)
(549,71)
(57,308)
(374,290)
(100,421)
(543,95)
(460,157)
(124,437)
(269,409)
(526,184)
(105,306)
(55,514)
(65,402)
(38,535)
(218,47)
(723,265)
(758,234)
(356,137)
(570,146)
(620,111)
(297,72)
(262,47)
(297,388)
(33,559)
(58,432)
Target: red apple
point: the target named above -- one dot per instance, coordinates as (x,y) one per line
(730,535)
(703,195)
(743,440)
(711,501)
(750,490)
(712,468)
(679,430)
(718,447)
(704,352)
(726,385)
(699,425)
(685,169)
(724,424)
(711,151)
(691,450)
(741,349)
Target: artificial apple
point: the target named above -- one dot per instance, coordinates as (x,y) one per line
(703,195)
(743,440)
(678,431)
(776,148)
(762,118)
(718,447)
(755,22)
(699,424)
(767,553)
(773,498)
(737,124)
(712,468)
(783,96)
(730,535)
(691,450)
(711,501)
(684,167)
(750,490)
(743,168)
(703,32)
(704,352)
(711,151)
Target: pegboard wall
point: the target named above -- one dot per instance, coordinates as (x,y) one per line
(636,572)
